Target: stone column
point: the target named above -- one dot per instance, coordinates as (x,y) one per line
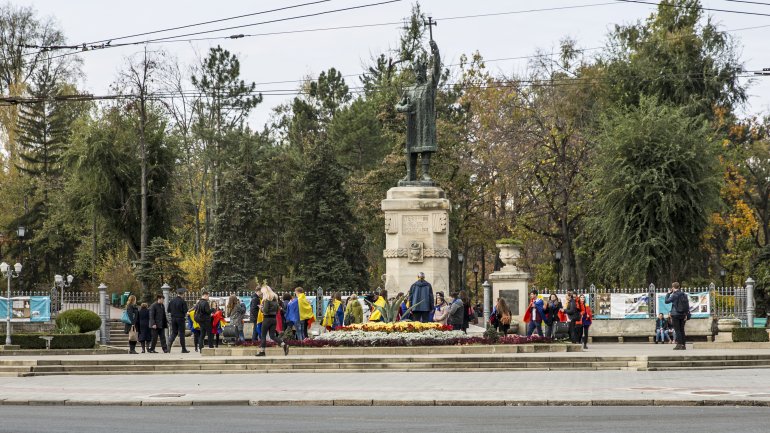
(416,238)
(511,284)
(104,338)
(750,302)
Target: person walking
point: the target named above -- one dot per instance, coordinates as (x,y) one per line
(573,315)
(534,315)
(421,299)
(382,301)
(177,309)
(253,314)
(133,315)
(270,308)
(456,312)
(158,324)
(661,330)
(553,315)
(354,312)
(586,318)
(237,311)
(441,309)
(502,315)
(202,316)
(680,313)
(217,318)
(143,327)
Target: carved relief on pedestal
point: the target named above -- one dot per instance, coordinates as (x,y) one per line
(415,252)
(439,222)
(442,253)
(391,224)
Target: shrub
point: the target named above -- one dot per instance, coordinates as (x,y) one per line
(86,320)
(755,335)
(60,341)
(66,327)
(510,241)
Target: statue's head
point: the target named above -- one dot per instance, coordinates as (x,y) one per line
(421,69)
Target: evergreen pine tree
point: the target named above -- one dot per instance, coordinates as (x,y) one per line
(330,250)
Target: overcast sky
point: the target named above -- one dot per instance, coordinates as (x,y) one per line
(281,57)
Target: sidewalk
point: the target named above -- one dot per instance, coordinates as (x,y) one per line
(713,387)
(729,387)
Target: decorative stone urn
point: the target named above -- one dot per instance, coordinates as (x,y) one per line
(509,254)
(726,327)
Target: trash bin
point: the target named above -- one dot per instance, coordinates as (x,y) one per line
(114,300)
(124,298)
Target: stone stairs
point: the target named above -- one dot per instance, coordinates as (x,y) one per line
(443,363)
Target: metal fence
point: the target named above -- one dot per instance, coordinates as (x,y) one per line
(724,302)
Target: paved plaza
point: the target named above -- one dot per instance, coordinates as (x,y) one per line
(685,387)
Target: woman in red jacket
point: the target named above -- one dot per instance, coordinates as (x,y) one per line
(217,321)
(586,317)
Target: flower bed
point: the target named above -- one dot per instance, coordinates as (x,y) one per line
(394,327)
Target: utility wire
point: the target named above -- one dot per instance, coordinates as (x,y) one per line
(209,22)
(749,2)
(701,8)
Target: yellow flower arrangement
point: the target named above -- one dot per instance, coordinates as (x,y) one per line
(395,327)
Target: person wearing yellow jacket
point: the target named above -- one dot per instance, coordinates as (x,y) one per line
(380,302)
(300,313)
(335,314)
(193,326)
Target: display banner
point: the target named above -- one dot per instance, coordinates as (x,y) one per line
(629,306)
(26,309)
(700,304)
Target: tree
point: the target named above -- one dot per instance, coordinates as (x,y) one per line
(656,181)
(330,250)
(159,267)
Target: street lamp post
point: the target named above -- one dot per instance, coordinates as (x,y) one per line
(557,258)
(9,274)
(461,258)
(476,280)
(723,274)
(62,283)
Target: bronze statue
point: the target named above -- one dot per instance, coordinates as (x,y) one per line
(419,103)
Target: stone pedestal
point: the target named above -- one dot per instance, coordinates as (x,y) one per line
(416,238)
(511,284)
(726,327)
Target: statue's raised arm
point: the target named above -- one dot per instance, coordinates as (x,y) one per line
(436,59)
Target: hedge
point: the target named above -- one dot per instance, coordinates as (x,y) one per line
(86,320)
(755,335)
(60,341)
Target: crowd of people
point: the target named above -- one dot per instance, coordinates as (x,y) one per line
(273,316)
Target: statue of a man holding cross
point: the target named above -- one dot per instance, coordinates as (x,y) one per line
(419,103)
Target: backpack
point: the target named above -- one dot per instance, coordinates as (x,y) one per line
(197,315)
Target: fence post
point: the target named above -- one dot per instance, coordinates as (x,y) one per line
(651,305)
(319,304)
(487,301)
(166,292)
(104,338)
(750,302)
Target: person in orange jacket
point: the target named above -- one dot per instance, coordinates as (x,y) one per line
(586,317)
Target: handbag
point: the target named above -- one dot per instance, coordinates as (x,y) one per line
(133,336)
(125,318)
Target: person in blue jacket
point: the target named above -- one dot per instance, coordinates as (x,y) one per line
(421,299)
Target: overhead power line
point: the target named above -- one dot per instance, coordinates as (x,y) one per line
(701,8)
(749,2)
(203,23)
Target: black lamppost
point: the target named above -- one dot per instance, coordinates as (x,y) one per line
(20,232)
(461,258)
(723,274)
(476,280)
(557,257)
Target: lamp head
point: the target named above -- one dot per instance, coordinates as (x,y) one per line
(17,268)
(21,231)
(58,278)
(70,279)
(3,267)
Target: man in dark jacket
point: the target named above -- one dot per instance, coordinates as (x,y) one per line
(254,312)
(158,324)
(421,299)
(202,316)
(573,314)
(680,312)
(177,309)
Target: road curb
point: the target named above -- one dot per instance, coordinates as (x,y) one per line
(369,402)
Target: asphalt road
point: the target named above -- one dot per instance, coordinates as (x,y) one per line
(23,419)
